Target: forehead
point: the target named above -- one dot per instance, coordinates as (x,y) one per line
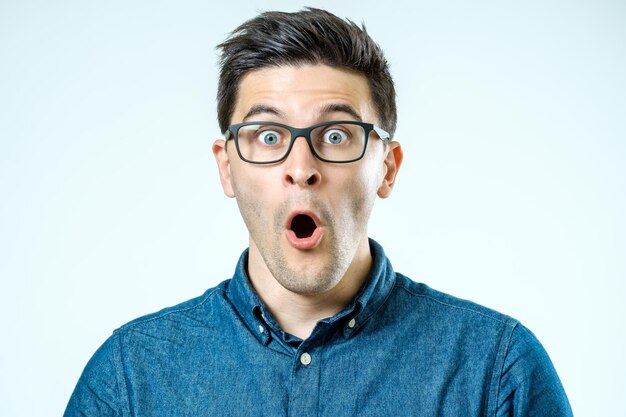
(300,92)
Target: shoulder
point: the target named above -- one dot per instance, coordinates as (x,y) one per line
(521,368)
(102,388)
(529,383)
(418,296)
(453,324)
(202,308)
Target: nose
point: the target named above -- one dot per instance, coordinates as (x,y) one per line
(301,166)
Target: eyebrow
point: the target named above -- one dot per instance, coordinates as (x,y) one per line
(263,108)
(340,108)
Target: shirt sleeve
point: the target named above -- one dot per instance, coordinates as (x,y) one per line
(98,391)
(529,384)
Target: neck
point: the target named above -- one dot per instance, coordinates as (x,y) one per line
(297,314)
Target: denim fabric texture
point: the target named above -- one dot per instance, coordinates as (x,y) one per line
(399,349)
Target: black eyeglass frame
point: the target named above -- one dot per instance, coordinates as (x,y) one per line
(232,132)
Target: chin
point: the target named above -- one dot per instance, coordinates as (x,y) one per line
(308,282)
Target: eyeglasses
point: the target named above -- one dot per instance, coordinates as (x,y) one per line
(270,143)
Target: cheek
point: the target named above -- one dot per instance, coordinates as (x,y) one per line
(358,194)
(256,193)
(253,181)
(242,186)
(369,177)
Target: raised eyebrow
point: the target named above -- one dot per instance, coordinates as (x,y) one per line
(340,108)
(263,109)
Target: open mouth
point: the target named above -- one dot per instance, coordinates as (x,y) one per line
(303,226)
(304,231)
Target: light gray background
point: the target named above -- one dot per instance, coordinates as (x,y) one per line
(511,115)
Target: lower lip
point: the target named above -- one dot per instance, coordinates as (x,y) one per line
(305,243)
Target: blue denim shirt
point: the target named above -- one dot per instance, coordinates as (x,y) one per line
(399,349)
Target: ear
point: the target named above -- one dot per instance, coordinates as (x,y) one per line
(393,160)
(223,166)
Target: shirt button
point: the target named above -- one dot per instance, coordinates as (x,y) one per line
(261,329)
(305,359)
(352,323)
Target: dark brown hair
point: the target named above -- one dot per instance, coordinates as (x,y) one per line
(310,36)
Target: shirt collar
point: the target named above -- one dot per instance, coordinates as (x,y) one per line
(373,294)
(368,300)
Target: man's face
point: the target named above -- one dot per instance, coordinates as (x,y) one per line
(307,219)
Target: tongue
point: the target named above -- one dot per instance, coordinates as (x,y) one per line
(303,226)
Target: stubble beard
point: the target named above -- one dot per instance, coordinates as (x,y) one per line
(340,243)
(308,278)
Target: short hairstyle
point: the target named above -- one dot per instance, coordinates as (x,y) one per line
(310,36)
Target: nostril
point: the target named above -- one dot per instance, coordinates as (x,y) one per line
(304,180)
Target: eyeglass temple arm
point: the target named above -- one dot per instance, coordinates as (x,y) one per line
(382,134)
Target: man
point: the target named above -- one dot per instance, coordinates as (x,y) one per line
(315,321)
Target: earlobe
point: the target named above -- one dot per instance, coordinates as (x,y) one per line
(223,166)
(392,162)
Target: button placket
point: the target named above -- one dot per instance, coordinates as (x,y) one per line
(305,387)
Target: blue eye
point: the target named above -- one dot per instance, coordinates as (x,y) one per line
(335,136)
(269,137)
